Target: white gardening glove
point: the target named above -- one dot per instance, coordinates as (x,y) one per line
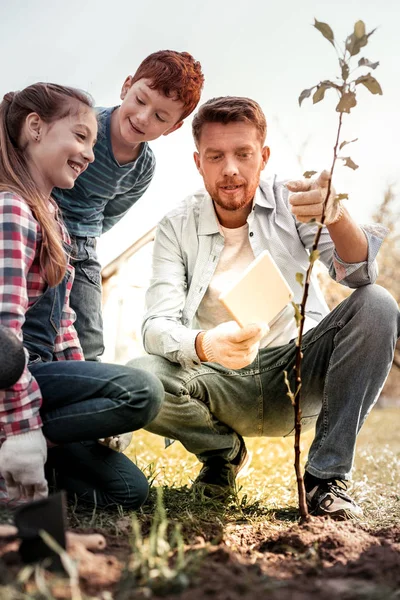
(22,459)
(119,443)
(232,346)
(308,198)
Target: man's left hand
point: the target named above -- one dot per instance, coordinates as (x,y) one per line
(308,197)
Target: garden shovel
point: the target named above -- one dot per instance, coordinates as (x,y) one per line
(47,515)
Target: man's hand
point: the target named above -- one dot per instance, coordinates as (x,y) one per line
(308,198)
(232,346)
(22,459)
(119,443)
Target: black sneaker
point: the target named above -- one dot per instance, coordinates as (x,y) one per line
(217,477)
(328,498)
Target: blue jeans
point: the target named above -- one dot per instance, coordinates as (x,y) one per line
(347,358)
(84,401)
(85,297)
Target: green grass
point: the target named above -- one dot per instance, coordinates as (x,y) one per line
(268,490)
(170,539)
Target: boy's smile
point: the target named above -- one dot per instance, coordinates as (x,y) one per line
(145,114)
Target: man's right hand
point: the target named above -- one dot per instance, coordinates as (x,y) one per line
(232,346)
(22,460)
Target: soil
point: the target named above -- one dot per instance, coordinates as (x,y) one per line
(322,559)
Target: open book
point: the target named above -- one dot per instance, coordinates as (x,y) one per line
(260,293)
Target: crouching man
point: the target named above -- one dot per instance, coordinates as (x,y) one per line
(222,382)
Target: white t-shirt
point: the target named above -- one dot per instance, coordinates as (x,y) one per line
(236,255)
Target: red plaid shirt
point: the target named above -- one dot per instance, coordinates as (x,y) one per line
(21,284)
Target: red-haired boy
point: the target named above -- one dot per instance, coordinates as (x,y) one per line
(164,90)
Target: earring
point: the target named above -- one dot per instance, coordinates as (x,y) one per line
(37,137)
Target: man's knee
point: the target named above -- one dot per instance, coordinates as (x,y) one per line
(149,363)
(145,393)
(380,306)
(171,375)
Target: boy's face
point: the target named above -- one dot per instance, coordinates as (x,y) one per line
(146,114)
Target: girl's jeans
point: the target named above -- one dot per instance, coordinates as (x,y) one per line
(347,358)
(84,401)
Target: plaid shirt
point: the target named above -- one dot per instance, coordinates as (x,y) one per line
(21,284)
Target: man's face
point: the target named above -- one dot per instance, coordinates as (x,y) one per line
(230,159)
(146,114)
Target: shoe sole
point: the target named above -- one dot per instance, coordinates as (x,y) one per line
(244,469)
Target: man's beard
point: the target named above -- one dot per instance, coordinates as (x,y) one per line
(229,205)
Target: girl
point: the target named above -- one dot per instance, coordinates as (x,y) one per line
(60,405)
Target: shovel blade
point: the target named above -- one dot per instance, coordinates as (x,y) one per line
(48,515)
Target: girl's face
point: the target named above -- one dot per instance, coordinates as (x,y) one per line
(60,151)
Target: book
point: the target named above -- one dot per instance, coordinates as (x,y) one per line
(260,293)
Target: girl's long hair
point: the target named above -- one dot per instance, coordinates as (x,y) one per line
(51,102)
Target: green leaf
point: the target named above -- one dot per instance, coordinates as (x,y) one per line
(325,29)
(345,69)
(305,94)
(348,162)
(341,197)
(330,84)
(354,44)
(343,144)
(370,83)
(308,174)
(319,93)
(300,278)
(314,256)
(364,62)
(359,29)
(346,102)
(297,313)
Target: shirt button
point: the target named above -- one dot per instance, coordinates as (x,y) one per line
(251,234)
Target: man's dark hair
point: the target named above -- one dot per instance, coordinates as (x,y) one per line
(230,109)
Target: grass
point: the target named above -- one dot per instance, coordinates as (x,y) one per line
(164,532)
(267,492)
(268,489)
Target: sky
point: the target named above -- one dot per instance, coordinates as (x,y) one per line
(265,50)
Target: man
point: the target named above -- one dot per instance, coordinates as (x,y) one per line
(222,382)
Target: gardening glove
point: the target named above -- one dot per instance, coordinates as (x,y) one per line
(309,196)
(119,443)
(22,459)
(232,346)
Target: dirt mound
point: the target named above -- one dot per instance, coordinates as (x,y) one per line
(322,558)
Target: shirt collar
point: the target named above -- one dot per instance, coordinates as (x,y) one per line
(208,222)
(264,195)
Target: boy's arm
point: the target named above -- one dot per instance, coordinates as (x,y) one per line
(67,345)
(118,207)
(163,331)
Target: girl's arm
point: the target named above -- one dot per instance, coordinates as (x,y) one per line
(19,404)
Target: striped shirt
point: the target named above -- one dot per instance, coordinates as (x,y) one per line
(105,192)
(21,284)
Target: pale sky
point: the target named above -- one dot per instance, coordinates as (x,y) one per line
(266,50)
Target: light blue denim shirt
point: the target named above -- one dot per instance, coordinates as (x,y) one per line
(186,252)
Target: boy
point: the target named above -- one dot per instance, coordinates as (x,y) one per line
(164,90)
